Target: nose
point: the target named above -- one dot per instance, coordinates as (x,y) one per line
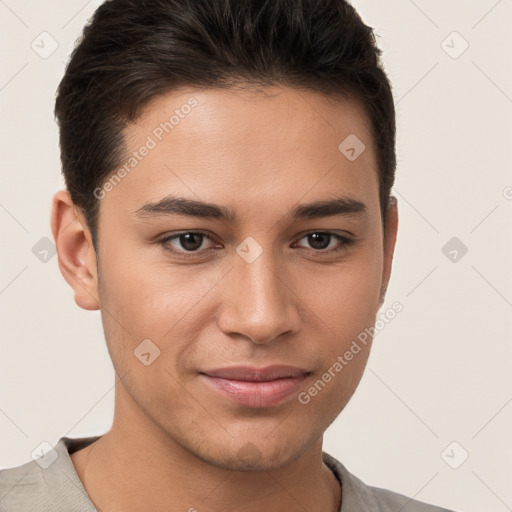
(259,303)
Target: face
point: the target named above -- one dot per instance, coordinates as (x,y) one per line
(268,274)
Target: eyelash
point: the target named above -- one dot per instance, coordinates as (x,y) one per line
(345,242)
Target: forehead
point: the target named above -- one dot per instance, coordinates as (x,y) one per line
(232,146)
(239,117)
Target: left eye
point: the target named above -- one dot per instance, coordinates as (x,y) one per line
(320,241)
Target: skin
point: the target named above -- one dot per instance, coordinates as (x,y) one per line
(259,153)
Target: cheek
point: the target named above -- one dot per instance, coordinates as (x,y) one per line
(346,299)
(156,301)
(149,296)
(347,307)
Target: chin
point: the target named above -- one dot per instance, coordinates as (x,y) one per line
(259,454)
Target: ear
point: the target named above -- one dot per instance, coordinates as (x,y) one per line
(75,251)
(389,245)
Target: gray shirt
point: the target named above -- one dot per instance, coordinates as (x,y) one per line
(51,484)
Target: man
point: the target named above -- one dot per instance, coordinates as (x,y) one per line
(228,166)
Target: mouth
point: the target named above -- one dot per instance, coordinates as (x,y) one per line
(255,387)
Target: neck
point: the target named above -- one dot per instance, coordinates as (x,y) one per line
(136,466)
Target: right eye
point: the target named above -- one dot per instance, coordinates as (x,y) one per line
(190,242)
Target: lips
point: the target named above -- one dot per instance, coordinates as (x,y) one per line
(255,387)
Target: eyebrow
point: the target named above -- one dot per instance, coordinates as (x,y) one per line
(171,205)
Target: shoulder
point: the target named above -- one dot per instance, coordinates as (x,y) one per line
(357,495)
(390,501)
(24,487)
(47,483)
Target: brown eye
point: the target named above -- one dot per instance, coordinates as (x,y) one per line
(326,242)
(183,243)
(191,241)
(319,240)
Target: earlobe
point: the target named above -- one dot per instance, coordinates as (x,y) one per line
(389,245)
(75,251)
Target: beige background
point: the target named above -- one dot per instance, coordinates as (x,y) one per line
(439,372)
